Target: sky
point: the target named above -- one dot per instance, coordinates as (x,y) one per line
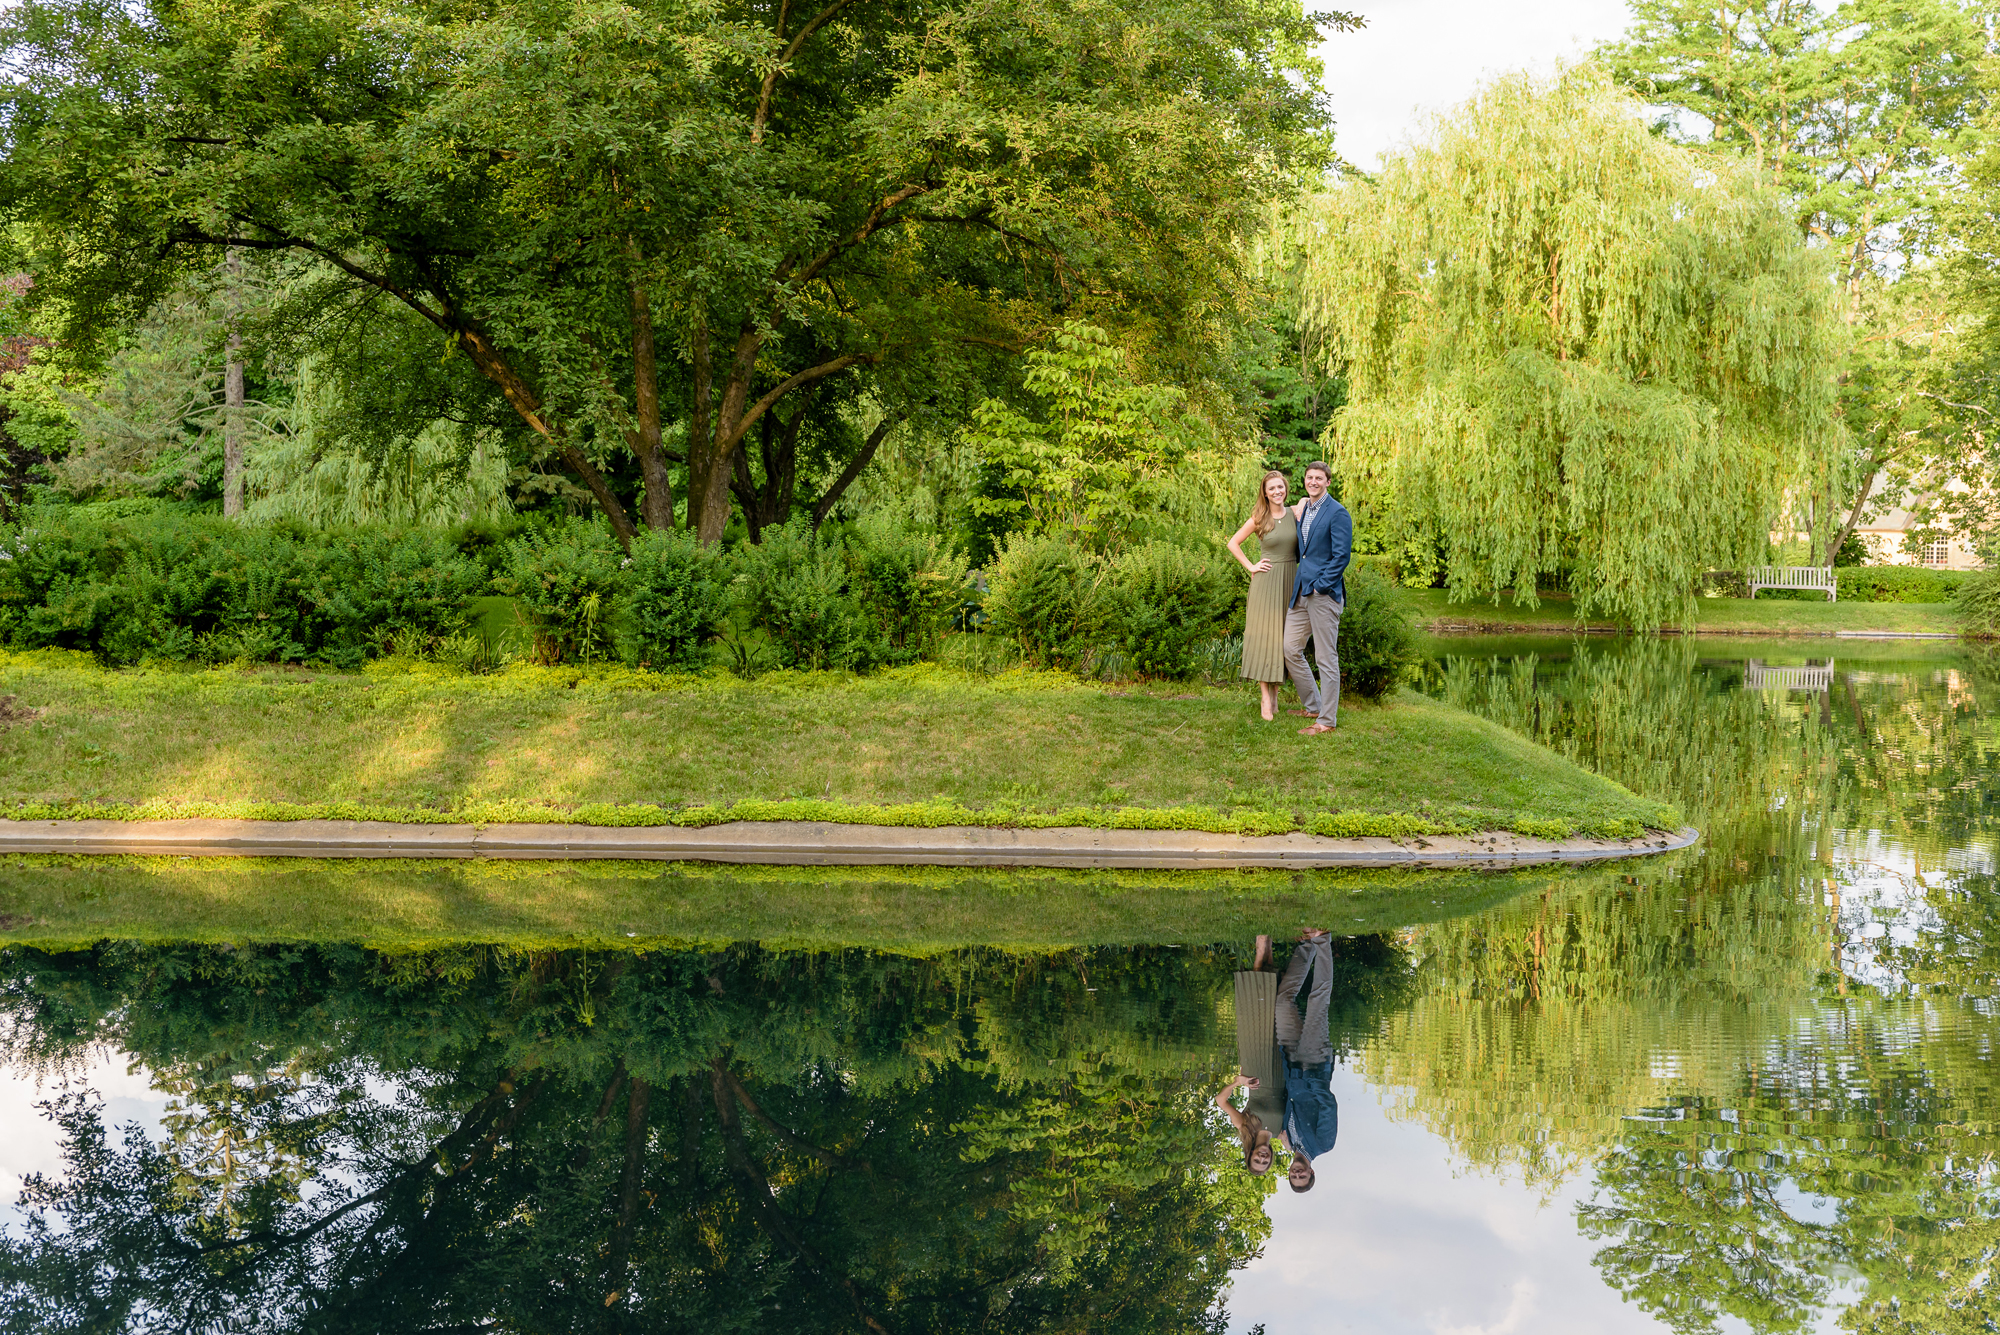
(1417,57)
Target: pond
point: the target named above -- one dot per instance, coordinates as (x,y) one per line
(1749,1087)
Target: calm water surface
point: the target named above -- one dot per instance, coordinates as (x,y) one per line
(1747,1088)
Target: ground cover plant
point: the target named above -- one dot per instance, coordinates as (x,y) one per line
(929,745)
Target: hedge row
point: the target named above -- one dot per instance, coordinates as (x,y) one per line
(129,587)
(1897,584)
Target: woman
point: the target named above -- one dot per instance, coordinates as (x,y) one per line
(1258,1058)
(1277,529)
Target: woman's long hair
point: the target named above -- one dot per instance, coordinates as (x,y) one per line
(1265,517)
(1248,1133)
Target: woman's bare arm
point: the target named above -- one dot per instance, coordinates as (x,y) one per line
(1236,548)
(1222,1097)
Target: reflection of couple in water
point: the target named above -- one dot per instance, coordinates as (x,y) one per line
(1286,1060)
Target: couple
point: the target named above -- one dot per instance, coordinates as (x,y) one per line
(1286,1061)
(1297,593)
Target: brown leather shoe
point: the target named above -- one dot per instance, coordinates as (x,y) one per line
(1315,730)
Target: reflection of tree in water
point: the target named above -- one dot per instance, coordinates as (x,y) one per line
(728,1140)
(1689,1036)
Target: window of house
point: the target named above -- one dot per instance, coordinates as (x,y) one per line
(1936,553)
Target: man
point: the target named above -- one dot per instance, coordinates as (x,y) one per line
(1319,596)
(1312,1115)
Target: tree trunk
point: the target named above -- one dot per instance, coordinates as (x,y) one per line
(524,402)
(710,455)
(1840,535)
(854,466)
(657,506)
(628,1189)
(232,393)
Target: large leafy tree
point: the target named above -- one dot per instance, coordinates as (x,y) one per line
(1863,114)
(1572,349)
(627,214)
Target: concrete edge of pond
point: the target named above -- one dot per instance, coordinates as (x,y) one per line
(813,843)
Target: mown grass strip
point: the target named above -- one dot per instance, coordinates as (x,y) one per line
(915,815)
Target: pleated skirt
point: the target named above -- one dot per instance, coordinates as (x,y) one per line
(1264,622)
(1257,1045)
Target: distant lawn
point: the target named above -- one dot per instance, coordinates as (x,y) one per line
(1713,616)
(66,902)
(612,746)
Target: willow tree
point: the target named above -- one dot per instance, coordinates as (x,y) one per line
(1573,349)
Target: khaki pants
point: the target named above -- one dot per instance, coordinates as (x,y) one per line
(1315,617)
(1307,1039)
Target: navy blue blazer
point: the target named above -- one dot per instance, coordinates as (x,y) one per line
(1312,1114)
(1324,554)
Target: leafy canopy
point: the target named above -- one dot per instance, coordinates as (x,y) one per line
(1572,349)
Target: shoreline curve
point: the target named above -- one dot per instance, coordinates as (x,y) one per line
(818,843)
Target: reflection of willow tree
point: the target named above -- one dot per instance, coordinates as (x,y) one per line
(1878,1115)
(1542,1024)
(734,1140)
(1691,1038)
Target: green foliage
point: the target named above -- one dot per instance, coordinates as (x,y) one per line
(1896,584)
(129,585)
(672,599)
(1160,607)
(565,578)
(517,175)
(1977,601)
(909,582)
(1379,647)
(1096,455)
(795,586)
(1866,115)
(1041,595)
(1572,349)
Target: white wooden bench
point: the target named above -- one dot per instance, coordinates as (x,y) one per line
(1757,677)
(1819,579)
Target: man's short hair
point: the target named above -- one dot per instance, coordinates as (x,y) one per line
(1321,467)
(1312,1176)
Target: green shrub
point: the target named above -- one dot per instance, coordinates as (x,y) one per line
(794,587)
(1896,584)
(1040,595)
(565,579)
(1159,608)
(909,584)
(1379,649)
(1977,602)
(673,598)
(162,584)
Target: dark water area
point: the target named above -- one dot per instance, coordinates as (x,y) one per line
(1749,1087)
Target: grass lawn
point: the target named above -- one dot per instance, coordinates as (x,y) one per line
(919,745)
(1713,616)
(66,902)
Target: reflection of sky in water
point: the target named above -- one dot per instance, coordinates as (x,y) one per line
(1399,1237)
(29,1142)
(1882,901)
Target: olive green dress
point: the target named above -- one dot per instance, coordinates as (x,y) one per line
(1257,1046)
(1264,620)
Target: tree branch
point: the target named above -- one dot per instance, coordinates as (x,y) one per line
(784,387)
(853,470)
